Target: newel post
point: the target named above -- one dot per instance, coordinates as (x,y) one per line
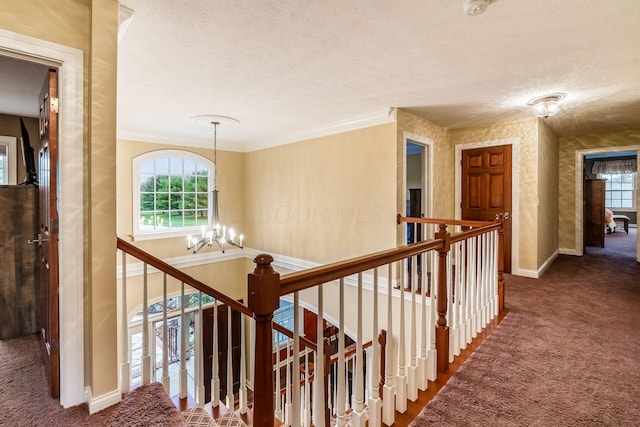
(263,299)
(442,329)
(500,218)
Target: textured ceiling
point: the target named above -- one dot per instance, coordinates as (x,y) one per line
(289,69)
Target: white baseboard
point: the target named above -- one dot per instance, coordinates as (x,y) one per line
(548,262)
(567,251)
(99,403)
(534,274)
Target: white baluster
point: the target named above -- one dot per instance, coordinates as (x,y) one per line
(242,393)
(215,369)
(289,385)
(495,272)
(295,398)
(199,356)
(184,337)
(125,366)
(423,383)
(278,407)
(464,291)
(166,381)
(412,386)
(341,382)
(359,415)
(432,354)
(306,410)
(146,358)
(401,378)
(389,389)
(451,313)
(474,287)
(375,403)
(230,399)
(318,370)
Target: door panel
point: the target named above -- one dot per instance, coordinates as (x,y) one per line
(486,188)
(48,246)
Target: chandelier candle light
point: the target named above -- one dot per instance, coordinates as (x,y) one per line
(215,232)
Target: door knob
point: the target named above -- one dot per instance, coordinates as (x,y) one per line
(37,241)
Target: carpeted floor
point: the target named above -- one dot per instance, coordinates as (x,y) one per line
(25,400)
(567,354)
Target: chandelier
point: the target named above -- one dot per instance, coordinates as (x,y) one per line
(547,105)
(214,232)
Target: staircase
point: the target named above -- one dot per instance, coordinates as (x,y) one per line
(409,311)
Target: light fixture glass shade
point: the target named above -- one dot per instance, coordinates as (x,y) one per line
(546,106)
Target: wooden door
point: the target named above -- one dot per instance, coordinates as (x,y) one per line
(594,205)
(486,189)
(48,230)
(224,329)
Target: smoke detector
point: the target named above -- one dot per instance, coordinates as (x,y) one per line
(475,7)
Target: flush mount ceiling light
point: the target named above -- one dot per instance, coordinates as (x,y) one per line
(546,105)
(475,7)
(214,232)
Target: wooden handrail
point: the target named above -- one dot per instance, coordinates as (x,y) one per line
(463,235)
(305,279)
(467,223)
(179,275)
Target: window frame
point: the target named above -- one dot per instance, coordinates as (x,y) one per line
(140,234)
(634,191)
(10,160)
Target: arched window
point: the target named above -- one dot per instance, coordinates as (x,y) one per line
(171,193)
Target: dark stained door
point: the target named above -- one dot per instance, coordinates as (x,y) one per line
(48,229)
(486,189)
(594,205)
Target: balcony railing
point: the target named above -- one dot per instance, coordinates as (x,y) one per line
(408,311)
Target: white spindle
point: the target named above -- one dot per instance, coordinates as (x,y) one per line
(389,390)
(375,403)
(146,358)
(199,356)
(359,415)
(432,366)
(215,369)
(125,366)
(184,336)
(495,272)
(306,410)
(451,313)
(422,359)
(295,398)
(341,382)
(318,371)
(166,381)
(289,385)
(278,407)
(230,399)
(464,290)
(401,378)
(412,386)
(242,393)
(474,287)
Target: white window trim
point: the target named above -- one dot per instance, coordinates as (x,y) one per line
(11,168)
(162,234)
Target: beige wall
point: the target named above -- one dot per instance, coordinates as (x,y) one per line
(547,193)
(230,182)
(324,199)
(526,131)
(92,28)
(567,175)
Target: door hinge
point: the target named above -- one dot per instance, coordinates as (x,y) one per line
(54,105)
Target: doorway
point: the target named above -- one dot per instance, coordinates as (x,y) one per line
(69,62)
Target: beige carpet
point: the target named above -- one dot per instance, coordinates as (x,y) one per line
(567,354)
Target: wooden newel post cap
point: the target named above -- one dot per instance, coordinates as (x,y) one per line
(264,286)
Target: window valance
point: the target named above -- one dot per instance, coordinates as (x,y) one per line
(614,166)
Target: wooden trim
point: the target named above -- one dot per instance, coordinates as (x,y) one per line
(179,275)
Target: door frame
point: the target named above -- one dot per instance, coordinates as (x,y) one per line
(515,185)
(427,175)
(579,196)
(69,62)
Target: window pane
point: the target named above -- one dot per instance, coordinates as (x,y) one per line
(146,201)
(203,200)
(162,184)
(189,167)
(175,164)
(190,183)
(615,185)
(176,183)
(203,217)
(627,195)
(146,182)
(203,183)
(176,202)
(176,220)
(627,204)
(162,166)
(162,201)
(162,220)
(189,201)
(189,218)
(146,167)
(616,204)
(147,220)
